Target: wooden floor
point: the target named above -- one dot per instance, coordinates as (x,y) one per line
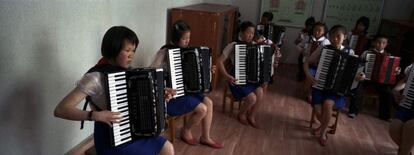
(285,120)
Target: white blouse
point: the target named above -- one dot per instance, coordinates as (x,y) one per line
(92,85)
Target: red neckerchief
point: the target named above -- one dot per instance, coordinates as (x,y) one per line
(102,61)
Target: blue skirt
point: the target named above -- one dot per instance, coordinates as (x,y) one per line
(319,96)
(147,146)
(404,114)
(184,104)
(239,92)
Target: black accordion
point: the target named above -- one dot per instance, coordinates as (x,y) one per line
(336,70)
(190,70)
(276,33)
(253,63)
(138,94)
(408,93)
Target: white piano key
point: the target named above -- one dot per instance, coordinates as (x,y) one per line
(119,138)
(122,142)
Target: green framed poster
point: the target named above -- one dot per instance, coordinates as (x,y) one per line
(288,12)
(347,12)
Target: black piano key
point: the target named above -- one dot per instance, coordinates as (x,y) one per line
(122,124)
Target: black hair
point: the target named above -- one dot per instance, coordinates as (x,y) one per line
(310,21)
(177,31)
(379,36)
(337,28)
(309,24)
(114,40)
(325,28)
(364,21)
(245,25)
(268,15)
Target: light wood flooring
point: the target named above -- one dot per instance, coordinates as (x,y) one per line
(285,120)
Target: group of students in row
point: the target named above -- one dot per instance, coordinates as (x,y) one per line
(118,49)
(316,33)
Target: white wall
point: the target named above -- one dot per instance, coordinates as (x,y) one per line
(46,46)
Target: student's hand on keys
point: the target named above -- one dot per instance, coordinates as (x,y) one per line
(397,96)
(231,80)
(213,69)
(278,55)
(312,79)
(361,77)
(277,52)
(397,71)
(169,93)
(107,117)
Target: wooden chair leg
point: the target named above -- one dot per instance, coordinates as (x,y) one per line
(312,120)
(231,106)
(185,119)
(334,126)
(171,123)
(224,100)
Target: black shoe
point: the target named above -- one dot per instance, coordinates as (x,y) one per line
(352,115)
(300,78)
(385,119)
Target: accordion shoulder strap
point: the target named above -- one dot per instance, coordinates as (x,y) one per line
(89,101)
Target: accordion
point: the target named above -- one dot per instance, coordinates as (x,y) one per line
(408,93)
(190,70)
(336,71)
(359,43)
(138,94)
(276,33)
(311,47)
(253,63)
(381,68)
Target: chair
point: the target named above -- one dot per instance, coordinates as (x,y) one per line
(332,127)
(227,94)
(370,97)
(171,125)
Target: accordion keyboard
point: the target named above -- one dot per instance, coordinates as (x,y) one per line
(176,70)
(240,64)
(323,68)
(119,103)
(369,66)
(408,92)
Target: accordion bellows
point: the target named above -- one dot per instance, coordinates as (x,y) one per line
(253,63)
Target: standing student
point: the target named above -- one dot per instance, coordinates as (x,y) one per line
(200,107)
(383,90)
(118,48)
(303,35)
(251,94)
(324,101)
(308,45)
(266,19)
(402,126)
(310,42)
(360,31)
